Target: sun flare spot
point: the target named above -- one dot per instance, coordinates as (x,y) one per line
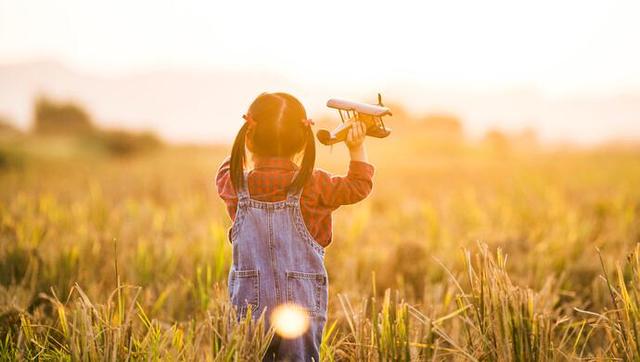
(289,320)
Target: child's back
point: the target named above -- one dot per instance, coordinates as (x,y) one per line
(276,261)
(279,231)
(321,195)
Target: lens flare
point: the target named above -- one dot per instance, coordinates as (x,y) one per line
(289,320)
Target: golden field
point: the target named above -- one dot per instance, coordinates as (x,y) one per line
(462,252)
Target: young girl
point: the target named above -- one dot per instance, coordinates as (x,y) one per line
(282,216)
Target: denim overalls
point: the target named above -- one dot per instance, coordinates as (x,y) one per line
(275,261)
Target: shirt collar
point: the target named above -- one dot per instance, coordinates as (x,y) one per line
(279,163)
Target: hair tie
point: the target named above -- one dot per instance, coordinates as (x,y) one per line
(250,121)
(308,122)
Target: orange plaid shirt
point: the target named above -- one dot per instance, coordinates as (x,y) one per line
(322,194)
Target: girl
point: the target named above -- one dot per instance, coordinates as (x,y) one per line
(282,216)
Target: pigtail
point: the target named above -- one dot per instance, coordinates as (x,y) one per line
(307,164)
(238,158)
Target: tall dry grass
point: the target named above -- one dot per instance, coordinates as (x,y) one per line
(126,259)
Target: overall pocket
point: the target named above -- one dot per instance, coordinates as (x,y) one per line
(244,290)
(308,290)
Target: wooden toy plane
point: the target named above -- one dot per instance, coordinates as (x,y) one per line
(370,114)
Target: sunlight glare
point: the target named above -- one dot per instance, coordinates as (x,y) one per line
(289,320)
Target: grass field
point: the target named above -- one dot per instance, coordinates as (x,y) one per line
(469,253)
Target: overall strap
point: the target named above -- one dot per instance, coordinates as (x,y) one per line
(243,193)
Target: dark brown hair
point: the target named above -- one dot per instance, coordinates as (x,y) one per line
(276,129)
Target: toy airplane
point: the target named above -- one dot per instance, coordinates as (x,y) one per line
(370,114)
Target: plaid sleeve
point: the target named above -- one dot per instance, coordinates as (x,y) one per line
(225,188)
(335,191)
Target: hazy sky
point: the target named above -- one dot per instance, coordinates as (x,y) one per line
(557,47)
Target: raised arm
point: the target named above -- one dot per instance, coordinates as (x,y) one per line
(335,191)
(356,185)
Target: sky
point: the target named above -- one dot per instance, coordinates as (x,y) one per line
(557,49)
(555,46)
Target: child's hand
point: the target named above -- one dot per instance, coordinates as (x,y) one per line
(356,135)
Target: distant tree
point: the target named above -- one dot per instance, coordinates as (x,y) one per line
(10,154)
(526,140)
(60,117)
(497,141)
(126,143)
(7,127)
(442,125)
